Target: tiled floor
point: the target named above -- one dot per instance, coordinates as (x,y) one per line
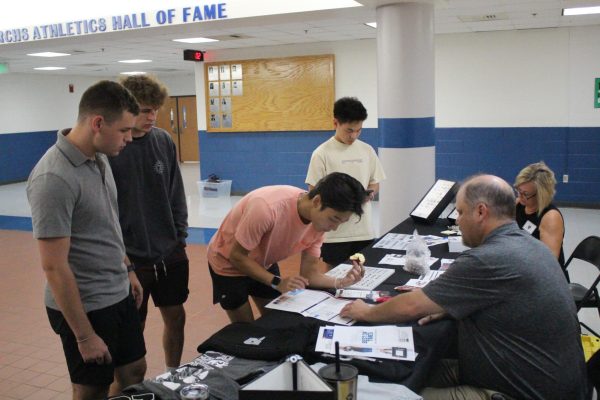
(31,359)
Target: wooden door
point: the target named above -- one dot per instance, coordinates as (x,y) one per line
(167,120)
(189,149)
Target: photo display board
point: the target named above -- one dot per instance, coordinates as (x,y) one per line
(280,94)
(435,201)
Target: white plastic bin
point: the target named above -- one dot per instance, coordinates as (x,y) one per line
(214,189)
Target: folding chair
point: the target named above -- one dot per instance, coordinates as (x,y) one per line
(587,250)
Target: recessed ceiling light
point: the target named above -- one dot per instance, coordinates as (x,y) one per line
(133,73)
(195,40)
(49,68)
(48,54)
(581,10)
(371,24)
(135,61)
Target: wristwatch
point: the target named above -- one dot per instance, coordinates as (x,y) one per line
(275,282)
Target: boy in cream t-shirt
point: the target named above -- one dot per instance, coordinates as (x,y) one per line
(345,153)
(270,224)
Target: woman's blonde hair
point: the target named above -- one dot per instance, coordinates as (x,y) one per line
(543,178)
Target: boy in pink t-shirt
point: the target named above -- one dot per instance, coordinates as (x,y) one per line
(270,224)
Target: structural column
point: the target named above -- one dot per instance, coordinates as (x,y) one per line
(406,107)
(200,105)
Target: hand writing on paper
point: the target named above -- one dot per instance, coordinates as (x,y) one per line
(357,310)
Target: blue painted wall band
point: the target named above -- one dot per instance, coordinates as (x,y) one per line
(406,132)
(195,235)
(19,152)
(253,160)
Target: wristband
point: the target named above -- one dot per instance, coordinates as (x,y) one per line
(275,282)
(131,267)
(335,283)
(82,340)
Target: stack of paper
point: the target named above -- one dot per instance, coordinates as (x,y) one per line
(445,263)
(421,281)
(400,241)
(366,342)
(400,259)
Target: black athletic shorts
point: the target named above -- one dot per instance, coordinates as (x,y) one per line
(233,291)
(337,253)
(166,281)
(118,325)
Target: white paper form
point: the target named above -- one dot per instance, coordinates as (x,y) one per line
(297,300)
(399,241)
(312,303)
(456,245)
(393,241)
(400,259)
(432,198)
(329,310)
(373,276)
(358,294)
(445,263)
(384,341)
(423,280)
(432,240)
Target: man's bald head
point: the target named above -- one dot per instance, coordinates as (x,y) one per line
(493,191)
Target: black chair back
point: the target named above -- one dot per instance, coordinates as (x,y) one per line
(587,250)
(586,297)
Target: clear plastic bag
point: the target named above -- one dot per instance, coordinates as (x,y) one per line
(417,255)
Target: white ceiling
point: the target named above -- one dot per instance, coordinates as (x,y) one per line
(97,55)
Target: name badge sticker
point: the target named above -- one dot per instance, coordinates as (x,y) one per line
(529,227)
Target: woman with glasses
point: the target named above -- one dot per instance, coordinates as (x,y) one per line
(535,213)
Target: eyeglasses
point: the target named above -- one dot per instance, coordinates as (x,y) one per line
(524,195)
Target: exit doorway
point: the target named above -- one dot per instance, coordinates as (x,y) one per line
(178,117)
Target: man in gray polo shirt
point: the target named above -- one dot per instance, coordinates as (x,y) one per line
(518,334)
(75,219)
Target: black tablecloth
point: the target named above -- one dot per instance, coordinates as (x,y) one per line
(432,341)
(286,331)
(400,277)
